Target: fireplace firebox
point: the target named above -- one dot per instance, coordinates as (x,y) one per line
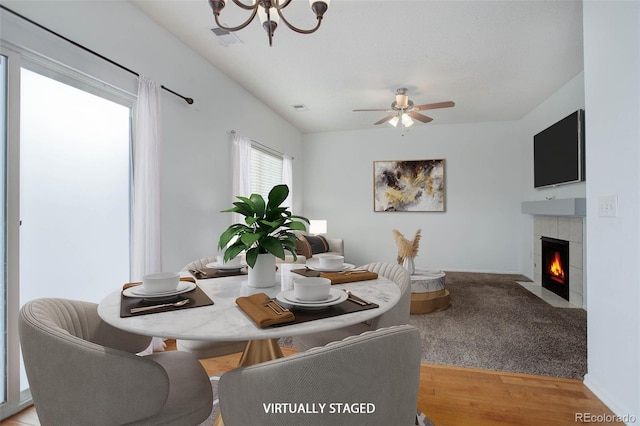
(555,266)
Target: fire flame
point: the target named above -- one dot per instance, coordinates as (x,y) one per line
(556,268)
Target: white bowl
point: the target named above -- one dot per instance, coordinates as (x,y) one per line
(161,282)
(311,289)
(331,261)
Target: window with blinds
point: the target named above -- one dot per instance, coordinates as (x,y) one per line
(266,171)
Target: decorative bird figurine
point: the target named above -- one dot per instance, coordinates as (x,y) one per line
(407,249)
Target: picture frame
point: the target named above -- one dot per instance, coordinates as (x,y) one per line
(409,186)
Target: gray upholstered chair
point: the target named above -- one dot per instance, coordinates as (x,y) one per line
(208,349)
(379,369)
(83,371)
(397,315)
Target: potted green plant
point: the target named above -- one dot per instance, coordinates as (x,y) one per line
(266,234)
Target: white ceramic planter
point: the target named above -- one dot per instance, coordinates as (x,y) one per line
(263,273)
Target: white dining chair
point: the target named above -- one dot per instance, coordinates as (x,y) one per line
(83,371)
(376,373)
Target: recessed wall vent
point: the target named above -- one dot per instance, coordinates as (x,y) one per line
(225,37)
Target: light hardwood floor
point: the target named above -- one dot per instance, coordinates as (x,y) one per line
(452,396)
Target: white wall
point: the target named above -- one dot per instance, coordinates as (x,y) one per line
(477,232)
(612,87)
(562,103)
(195,148)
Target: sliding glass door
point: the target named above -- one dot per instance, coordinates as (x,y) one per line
(65,179)
(74,191)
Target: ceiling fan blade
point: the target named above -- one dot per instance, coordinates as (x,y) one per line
(447,104)
(387,118)
(383,110)
(419,117)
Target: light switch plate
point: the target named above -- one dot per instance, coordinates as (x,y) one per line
(608,206)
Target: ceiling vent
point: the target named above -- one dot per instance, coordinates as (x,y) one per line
(300,107)
(225,37)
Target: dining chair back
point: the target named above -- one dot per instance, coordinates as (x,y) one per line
(371,379)
(397,315)
(82,371)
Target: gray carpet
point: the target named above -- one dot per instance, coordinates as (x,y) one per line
(495,324)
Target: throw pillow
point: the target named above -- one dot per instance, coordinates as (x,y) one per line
(303,248)
(308,245)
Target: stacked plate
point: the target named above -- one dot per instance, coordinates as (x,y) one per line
(316,267)
(226,267)
(139,291)
(335,296)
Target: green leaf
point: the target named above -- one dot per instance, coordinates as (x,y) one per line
(248,239)
(297,226)
(232,231)
(273,246)
(233,251)
(252,256)
(277,195)
(243,208)
(259,206)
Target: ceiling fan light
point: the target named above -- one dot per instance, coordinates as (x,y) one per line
(394,121)
(406,120)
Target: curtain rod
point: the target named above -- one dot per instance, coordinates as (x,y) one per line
(187,100)
(233,132)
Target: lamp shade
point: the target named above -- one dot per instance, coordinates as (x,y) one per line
(317,227)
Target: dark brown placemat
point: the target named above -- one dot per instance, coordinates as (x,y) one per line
(305,272)
(196,297)
(346,307)
(207,273)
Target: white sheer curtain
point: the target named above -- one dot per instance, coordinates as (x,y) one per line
(145,241)
(241,153)
(287,178)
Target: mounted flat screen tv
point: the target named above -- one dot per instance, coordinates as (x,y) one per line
(558,152)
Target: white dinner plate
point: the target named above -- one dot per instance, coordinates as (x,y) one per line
(316,267)
(138,291)
(222,266)
(291,298)
(335,296)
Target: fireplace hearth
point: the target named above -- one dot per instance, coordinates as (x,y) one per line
(555,266)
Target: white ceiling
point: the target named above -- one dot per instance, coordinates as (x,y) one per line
(497,60)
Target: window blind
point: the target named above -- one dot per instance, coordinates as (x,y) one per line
(266,171)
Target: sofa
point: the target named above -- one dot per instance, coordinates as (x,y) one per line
(309,245)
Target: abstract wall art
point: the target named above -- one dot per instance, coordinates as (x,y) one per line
(408,186)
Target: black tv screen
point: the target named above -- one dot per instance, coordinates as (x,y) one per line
(558,152)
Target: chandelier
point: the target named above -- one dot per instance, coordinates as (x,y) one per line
(270,13)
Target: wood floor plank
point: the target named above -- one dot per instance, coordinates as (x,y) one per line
(452,396)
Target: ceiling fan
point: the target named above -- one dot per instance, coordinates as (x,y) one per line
(404,111)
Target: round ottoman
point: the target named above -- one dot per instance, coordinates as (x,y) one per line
(427,291)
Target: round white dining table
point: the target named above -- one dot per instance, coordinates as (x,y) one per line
(225,321)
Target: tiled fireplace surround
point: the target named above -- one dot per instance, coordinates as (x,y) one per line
(562,228)
(564,220)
